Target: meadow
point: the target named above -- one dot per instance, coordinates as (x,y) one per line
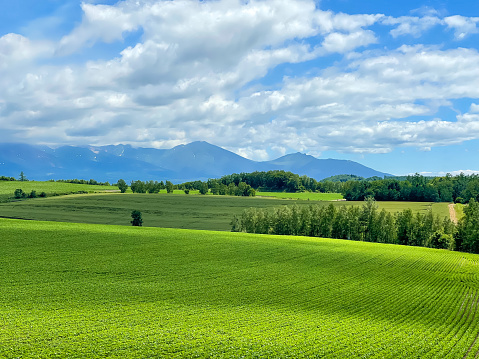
(7,188)
(81,290)
(169,210)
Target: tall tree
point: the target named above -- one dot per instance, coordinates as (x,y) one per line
(136,218)
(122,186)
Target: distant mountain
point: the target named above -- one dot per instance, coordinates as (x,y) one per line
(318,168)
(194,161)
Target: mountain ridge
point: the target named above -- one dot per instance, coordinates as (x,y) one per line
(197,160)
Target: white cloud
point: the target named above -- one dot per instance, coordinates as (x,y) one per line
(411,25)
(341,43)
(197,71)
(16,50)
(474,108)
(462,26)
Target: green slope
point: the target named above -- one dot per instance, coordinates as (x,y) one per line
(79,290)
(167,210)
(7,188)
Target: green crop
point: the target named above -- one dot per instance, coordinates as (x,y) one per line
(78,290)
(7,188)
(166,210)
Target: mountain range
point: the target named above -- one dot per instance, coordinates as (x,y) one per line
(195,161)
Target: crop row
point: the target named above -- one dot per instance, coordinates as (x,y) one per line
(72,290)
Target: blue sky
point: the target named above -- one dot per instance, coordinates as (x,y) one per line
(392,85)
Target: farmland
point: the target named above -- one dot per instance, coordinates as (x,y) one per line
(8,187)
(168,210)
(80,290)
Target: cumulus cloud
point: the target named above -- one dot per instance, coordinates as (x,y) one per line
(341,43)
(16,50)
(462,26)
(411,25)
(198,73)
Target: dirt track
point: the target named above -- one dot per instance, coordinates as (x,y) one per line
(452,213)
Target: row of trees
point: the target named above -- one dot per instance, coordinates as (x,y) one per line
(415,188)
(145,187)
(82,181)
(366,223)
(216,188)
(19,194)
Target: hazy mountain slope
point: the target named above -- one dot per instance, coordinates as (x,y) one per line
(321,168)
(194,161)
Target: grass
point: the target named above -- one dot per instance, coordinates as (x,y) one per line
(7,188)
(165,210)
(312,196)
(459,208)
(79,290)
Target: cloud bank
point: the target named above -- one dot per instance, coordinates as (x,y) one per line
(256,77)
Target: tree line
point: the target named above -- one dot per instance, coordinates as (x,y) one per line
(365,223)
(417,188)
(414,188)
(213,186)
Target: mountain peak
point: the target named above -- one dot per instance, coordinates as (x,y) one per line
(197,160)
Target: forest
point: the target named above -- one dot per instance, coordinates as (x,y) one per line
(414,188)
(366,223)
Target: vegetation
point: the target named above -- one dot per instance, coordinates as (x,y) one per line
(136,221)
(76,290)
(468,228)
(176,210)
(364,223)
(122,186)
(8,189)
(311,196)
(415,188)
(91,182)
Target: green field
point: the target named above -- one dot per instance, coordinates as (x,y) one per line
(312,196)
(95,291)
(167,210)
(7,188)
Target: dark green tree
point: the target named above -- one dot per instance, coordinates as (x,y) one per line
(122,186)
(169,187)
(19,193)
(136,218)
(22,177)
(203,188)
(468,228)
(138,187)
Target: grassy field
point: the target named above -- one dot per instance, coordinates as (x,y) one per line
(167,210)
(96,291)
(312,196)
(8,187)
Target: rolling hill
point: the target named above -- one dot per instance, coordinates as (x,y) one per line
(74,290)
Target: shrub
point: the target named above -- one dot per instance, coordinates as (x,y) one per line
(137,220)
(19,193)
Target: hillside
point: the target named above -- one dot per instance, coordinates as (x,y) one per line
(194,161)
(168,210)
(76,290)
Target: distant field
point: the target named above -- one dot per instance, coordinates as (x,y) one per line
(312,196)
(167,210)
(95,291)
(7,188)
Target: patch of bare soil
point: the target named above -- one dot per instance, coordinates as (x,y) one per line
(452,213)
